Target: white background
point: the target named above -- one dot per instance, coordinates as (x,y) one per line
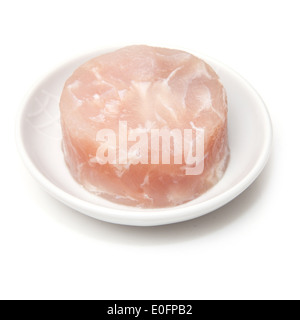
(248,249)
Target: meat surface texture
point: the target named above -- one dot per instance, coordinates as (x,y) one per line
(146,88)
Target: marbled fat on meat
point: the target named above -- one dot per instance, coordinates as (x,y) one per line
(149,88)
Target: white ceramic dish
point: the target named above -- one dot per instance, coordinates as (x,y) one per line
(39,142)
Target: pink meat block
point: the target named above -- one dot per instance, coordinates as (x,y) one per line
(144,88)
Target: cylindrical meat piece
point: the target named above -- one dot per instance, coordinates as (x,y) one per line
(122,113)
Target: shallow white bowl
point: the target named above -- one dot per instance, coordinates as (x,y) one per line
(39,142)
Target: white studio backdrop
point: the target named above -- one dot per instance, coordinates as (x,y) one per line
(248,249)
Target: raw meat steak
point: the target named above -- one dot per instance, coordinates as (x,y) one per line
(137,89)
